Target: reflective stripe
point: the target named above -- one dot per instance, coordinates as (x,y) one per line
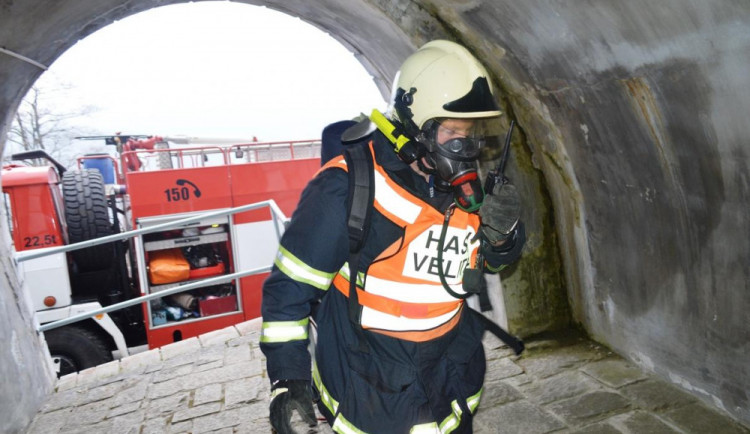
(341,425)
(372,318)
(411,292)
(451,422)
(301,272)
(397,308)
(284,331)
(422,336)
(394,202)
(331,404)
(473,401)
(344,271)
(278,391)
(425,428)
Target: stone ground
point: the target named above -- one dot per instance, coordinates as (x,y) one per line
(216,383)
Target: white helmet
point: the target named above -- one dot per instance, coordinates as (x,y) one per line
(441,80)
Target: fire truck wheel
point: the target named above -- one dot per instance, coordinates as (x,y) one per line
(74,349)
(87,217)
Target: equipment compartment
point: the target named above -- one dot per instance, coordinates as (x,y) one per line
(205,249)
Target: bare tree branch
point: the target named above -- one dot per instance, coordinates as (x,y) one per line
(39,124)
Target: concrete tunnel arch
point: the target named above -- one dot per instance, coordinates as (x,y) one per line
(632,158)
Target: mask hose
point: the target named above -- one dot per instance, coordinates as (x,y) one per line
(441,244)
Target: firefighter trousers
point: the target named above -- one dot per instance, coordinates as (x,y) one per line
(391,385)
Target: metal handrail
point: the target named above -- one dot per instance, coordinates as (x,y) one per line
(133,301)
(276,215)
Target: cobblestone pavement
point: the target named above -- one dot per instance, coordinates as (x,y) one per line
(216,384)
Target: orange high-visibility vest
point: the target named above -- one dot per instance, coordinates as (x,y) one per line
(402,295)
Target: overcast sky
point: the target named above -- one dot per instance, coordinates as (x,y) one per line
(214,69)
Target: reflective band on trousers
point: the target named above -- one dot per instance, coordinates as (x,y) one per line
(342,425)
(284,331)
(331,404)
(452,422)
(301,272)
(425,428)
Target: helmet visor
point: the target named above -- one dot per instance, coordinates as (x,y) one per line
(460,139)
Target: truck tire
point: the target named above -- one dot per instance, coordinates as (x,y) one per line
(87,217)
(75,348)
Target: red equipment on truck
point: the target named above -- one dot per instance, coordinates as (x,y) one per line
(51,206)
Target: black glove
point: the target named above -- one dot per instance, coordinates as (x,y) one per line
(287,395)
(500,212)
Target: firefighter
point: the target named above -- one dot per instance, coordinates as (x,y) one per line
(409,358)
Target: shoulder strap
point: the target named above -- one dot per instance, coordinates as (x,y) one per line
(361,194)
(359,210)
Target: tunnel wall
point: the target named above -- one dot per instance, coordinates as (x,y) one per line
(630,155)
(636,114)
(632,163)
(26,375)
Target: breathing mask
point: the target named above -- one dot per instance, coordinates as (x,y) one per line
(452,153)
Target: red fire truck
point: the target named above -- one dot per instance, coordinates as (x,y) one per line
(150,185)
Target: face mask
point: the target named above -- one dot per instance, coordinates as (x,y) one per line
(453,155)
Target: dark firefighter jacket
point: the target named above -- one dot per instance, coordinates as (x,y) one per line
(395,385)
